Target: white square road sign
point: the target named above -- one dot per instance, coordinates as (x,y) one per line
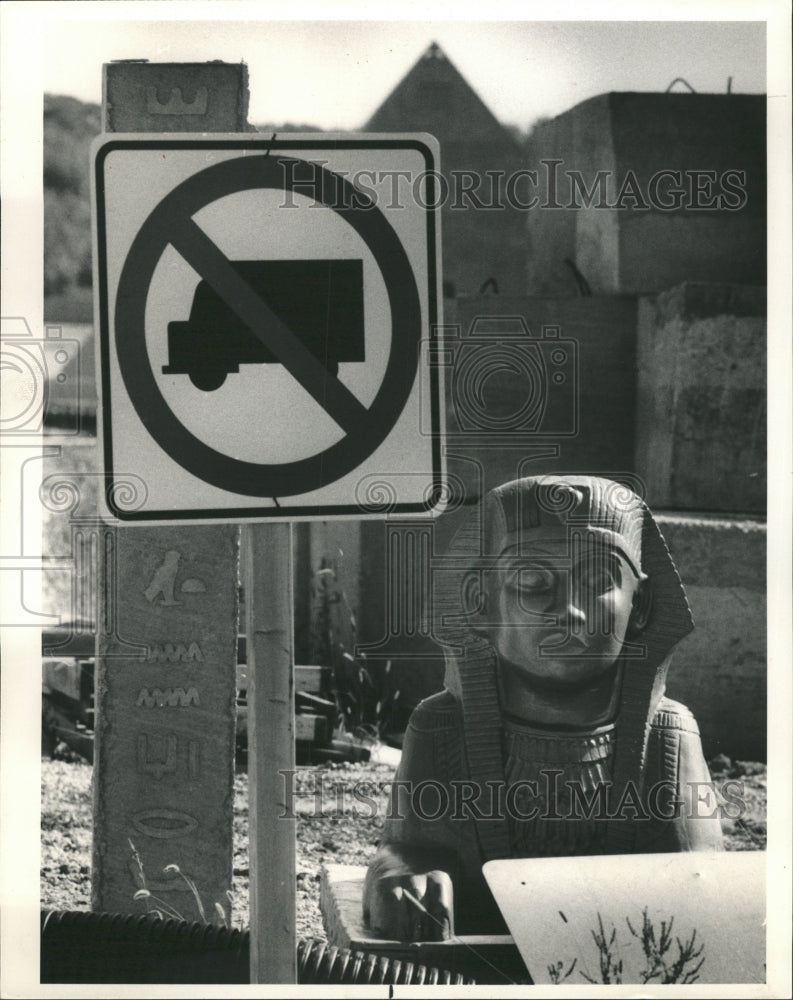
(264,308)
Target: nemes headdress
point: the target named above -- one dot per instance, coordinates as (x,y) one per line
(590,509)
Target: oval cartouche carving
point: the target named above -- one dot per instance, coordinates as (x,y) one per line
(164,824)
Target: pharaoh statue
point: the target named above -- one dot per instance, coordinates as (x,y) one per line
(558,607)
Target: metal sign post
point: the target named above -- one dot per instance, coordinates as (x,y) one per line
(267,552)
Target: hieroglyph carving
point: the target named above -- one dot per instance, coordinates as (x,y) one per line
(172,652)
(170,697)
(168,763)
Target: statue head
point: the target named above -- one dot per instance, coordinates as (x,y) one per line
(566,585)
(561,596)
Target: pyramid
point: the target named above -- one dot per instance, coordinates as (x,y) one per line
(480,247)
(435,97)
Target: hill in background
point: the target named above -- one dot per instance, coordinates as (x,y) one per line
(69,127)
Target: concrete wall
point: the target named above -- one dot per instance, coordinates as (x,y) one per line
(686,133)
(587,424)
(327,564)
(480,244)
(580,139)
(701,419)
(641,247)
(719,671)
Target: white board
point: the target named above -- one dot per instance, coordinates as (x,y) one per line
(552,906)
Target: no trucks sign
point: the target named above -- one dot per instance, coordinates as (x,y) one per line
(264,313)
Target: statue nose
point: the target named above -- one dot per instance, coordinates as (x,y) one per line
(572,615)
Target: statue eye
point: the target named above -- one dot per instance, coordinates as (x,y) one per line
(534,581)
(599,578)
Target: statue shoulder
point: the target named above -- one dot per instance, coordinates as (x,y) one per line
(672,715)
(440,712)
(433,744)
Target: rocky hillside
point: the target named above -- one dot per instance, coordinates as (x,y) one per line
(69,127)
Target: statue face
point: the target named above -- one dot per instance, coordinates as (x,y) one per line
(558,612)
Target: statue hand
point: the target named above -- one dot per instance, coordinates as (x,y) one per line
(413,907)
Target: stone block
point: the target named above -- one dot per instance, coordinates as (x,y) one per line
(701,416)
(165,696)
(696,164)
(168,618)
(719,670)
(175,97)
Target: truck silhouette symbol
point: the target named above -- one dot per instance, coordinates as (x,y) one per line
(320,301)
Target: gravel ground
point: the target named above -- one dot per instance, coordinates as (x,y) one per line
(343,831)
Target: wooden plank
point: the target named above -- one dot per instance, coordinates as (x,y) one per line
(311,728)
(271,750)
(312,702)
(311,679)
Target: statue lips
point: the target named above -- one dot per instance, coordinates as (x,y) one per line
(567,661)
(570,673)
(564,643)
